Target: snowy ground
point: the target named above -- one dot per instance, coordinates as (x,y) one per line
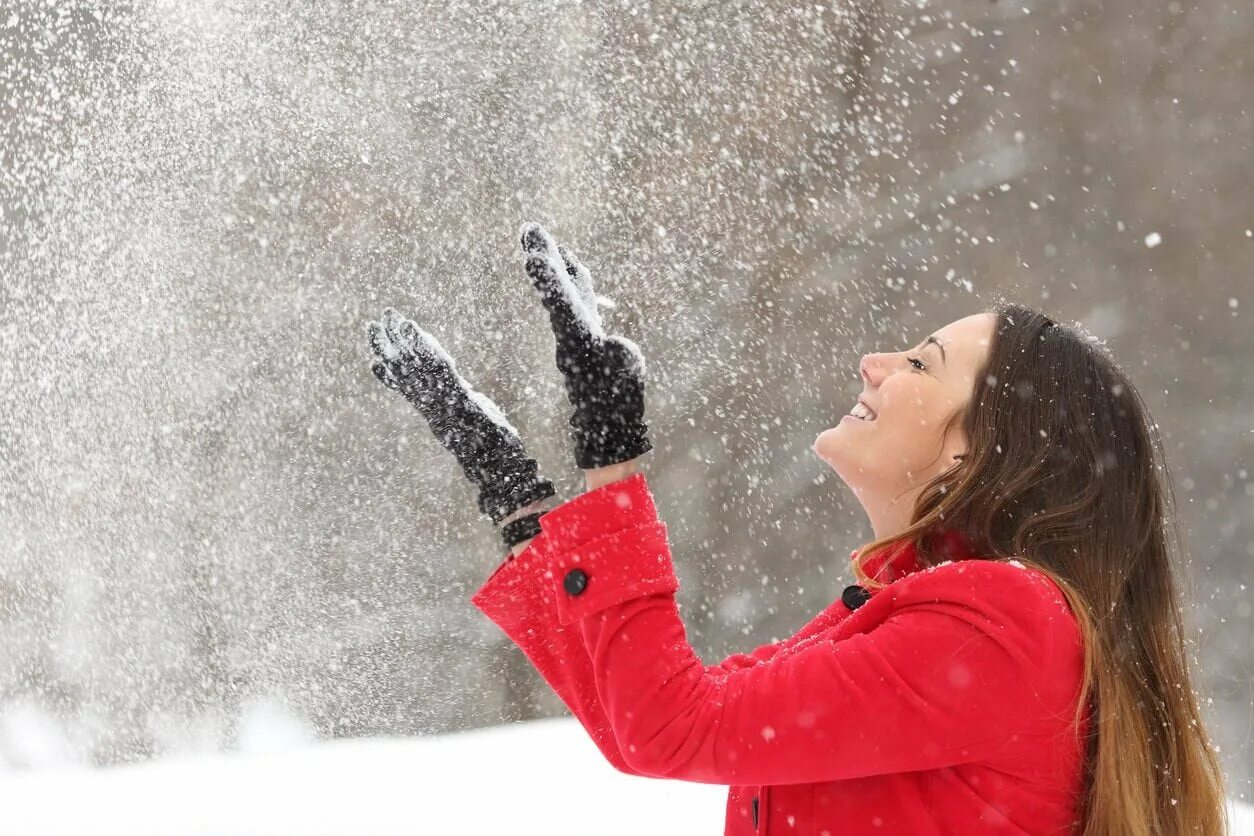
(538,777)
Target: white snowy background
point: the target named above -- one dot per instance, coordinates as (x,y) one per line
(538,777)
(212,515)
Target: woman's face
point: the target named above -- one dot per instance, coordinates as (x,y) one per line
(912,394)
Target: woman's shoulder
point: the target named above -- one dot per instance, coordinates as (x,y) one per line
(1007,591)
(973,570)
(1015,605)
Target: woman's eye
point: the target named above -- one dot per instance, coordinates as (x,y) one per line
(917,363)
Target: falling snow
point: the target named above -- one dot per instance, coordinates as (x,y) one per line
(211,508)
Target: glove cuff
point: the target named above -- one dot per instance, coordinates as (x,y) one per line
(523,528)
(498,500)
(594,453)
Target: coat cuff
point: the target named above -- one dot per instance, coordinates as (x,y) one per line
(605,510)
(606,547)
(515,590)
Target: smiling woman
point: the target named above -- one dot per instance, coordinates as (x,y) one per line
(1027,437)
(902,433)
(966,684)
(1011,657)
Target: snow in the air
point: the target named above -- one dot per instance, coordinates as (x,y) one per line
(235,570)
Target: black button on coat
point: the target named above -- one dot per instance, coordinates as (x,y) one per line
(576,581)
(854,596)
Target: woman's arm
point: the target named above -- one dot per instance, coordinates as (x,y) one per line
(949,677)
(599,476)
(604,378)
(517,598)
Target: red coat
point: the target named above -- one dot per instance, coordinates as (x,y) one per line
(939,705)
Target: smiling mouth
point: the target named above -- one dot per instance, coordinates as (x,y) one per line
(862,412)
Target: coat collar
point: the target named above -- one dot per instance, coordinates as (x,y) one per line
(902,559)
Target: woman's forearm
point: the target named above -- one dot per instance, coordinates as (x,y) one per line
(520,547)
(599,476)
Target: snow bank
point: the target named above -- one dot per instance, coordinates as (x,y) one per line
(539,777)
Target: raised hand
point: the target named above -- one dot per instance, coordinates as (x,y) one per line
(604,374)
(468,423)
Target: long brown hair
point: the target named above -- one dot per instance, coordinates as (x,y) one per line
(1065,473)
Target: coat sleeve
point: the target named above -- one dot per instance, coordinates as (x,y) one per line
(936,684)
(519,600)
(739,661)
(518,597)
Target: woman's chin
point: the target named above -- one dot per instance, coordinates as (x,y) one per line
(832,446)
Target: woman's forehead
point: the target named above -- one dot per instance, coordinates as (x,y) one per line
(967,338)
(976,329)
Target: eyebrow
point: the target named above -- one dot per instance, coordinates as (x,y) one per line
(933,339)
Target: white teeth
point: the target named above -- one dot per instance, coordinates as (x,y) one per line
(860,411)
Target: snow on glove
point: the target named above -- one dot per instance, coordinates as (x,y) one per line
(604,374)
(468,423)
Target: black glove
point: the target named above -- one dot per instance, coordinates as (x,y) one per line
(604,374)
(468,423)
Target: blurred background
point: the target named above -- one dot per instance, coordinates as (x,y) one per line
(215,521)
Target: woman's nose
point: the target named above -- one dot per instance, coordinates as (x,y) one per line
(867,367)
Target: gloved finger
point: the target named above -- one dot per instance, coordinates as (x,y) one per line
(407,337)
(558,296)
(392,328)
(536,239)
(428,353)
(384,374)
(581,278)
(379,342)
(548,274)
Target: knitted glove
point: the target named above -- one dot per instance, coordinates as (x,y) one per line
(468,423)
(604,374)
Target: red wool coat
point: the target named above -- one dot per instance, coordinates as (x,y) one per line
(938,705)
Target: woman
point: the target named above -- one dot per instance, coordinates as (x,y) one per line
(1011,659)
